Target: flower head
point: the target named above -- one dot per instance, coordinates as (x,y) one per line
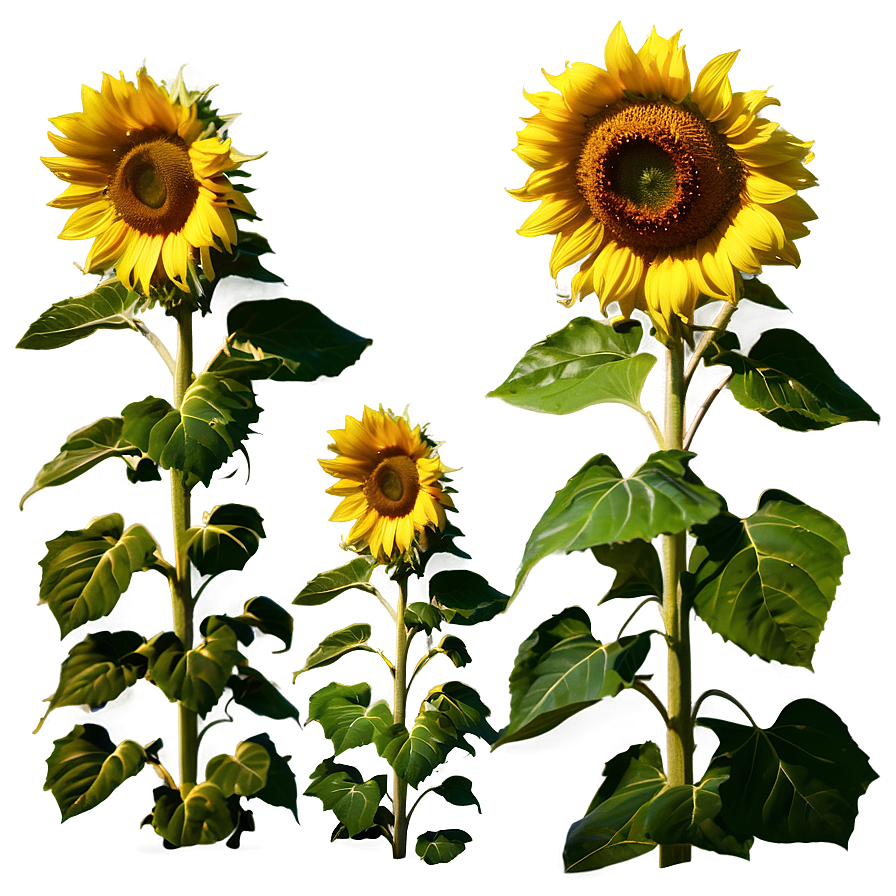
(390,481)
(146,174)
(664,192)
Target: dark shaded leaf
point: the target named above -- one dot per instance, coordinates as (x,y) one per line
(465,598)
(638,569)
(280,789)
(761,294)
(458,791)
(243,261)
(252,690)
(420,616)
(383,822)
(436,847)
(269,617)
(227,538)
(463,705)
(454,649)
(327,585)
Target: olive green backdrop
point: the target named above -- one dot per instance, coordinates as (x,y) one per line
(389,130)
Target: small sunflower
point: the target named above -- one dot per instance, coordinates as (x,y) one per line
(389,480)
(147,182)
(664,192)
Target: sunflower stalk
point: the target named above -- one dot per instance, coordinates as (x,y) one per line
(400,786)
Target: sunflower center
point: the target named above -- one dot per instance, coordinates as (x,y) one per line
(392,488)
(153,188)
(657,176)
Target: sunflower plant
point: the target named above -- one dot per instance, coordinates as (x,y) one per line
(154,181)
(669,196)
(393,484)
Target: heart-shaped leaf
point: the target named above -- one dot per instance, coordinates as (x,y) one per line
(227,538)
(638,569)
(244,773)
(343,713)
(204,816)
(420,616)
(337,645)
(465,598)
(436,847)
(269,617)
(280,789)
(458,791)
(342,790)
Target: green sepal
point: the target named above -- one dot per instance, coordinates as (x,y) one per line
(327,585)
(228,537)
(280,789)
(244,773)
(243,261)
(337,645)
(436,847)
(205,816)
(345,714)
(585,363)
(421,616)
(599,506)
(253,691)
(270,618)
(109,307)
(85,767)
(796,782)
(767,582)
(86,571)
(437,542)
(465,598)
(463,705)
(638,569)
(458,791)
(343,791)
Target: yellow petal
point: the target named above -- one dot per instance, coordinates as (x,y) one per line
(551,216)
(712,91)
(574,244)
(585,88)
(623,63)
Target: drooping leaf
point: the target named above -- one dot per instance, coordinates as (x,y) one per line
(252,690)
(227,538)
(86,571)
(338,644)
(463,705)
(327,585)
(436,847)
(638,569)
(269,617)
(767,582)
(85,767)
(205,816)
(761,294)
(465,598)
(786,379)
(585,363)
(280,789)
(244,633)
(454,649)
(599,506)
(244,773)
(383,823)
(342,790)
(98,669)
(142,469)
(458,791)
(140,417)
(345,714)
(421,616)
(796,782)
(109,307)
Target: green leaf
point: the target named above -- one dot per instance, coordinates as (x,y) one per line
(327,585)
(454,649)
(436,847)
(761,294)
(343,713)
(598,506)
(463,705)
(227,538)
(585,363)
(341,790)
(287,340)
(142,469)
(561,669)
(109,307)
(252,690)
(280,789)
(613,829)
(269,617)
(98,669)
(243,632)
(338,644)
(85,767)
(767,582)
(421,616)
(243,261)
(214,419)
(383,823)
(786,379)
(458,791)
(196,677)
(205,816)
(638,569)
(244,773)
(86,571)
(796,782)
(83,450)
(465,598)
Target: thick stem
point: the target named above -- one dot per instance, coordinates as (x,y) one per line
(181,599)
(400,786)
(679,733)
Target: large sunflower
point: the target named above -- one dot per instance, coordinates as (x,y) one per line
(664,192)
(147,183)
(389,480)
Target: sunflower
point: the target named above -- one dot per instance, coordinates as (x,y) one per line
(389,480)
(665,193)
(147,183)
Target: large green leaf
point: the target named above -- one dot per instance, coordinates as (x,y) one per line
(465,598)
(767,582)
(196,677)
(244,773)
(463,705)
(561,669)
(436,847)
(98,669)
(280,789)
(211,424)
(342,790)
(796,782)
(252,690)
(109,307)
(269,617)
(227,538)
(786,379)
(599,506)
(337,645)
(86,571)
(327,585)
(285,339)
(345,714)
(83,450)
(85,767)
(205,816)
(637,565)
(585,363)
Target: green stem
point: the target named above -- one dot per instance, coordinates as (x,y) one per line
(181,599)
(679,733)
(400,786)
(714,329)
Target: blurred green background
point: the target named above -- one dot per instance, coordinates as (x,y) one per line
(387,130)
